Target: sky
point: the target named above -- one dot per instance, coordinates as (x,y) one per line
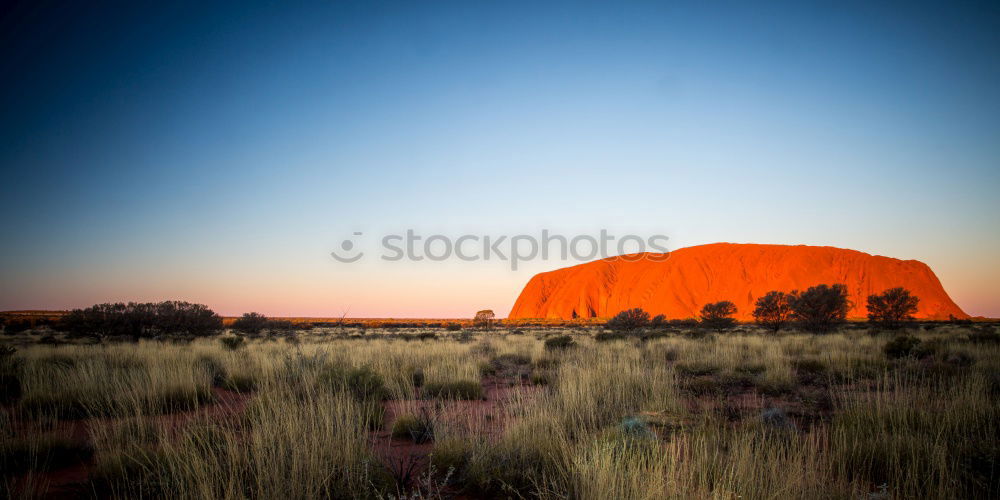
(219,153)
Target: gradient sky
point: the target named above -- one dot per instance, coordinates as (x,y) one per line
(217,154)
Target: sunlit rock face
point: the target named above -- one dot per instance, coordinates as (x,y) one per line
(678,284)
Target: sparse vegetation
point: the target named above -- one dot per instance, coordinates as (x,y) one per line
(839,415)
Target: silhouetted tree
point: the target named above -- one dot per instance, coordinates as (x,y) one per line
(628,320)
(250,323)
(484,319)
(820,308)
(892,308)
(772,311)
(718,315)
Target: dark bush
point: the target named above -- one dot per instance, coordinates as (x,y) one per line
(772,311)
(820,308)
(13,327)
(10,376)
(250,323)
(558,342)
(659,322)
(232,343)
(417,377)
(49,340)
(892,309)
(21,454)
(718,316)
(142,320)
(453,327)
(628,320)
(900,347)
(609,336)
(985,335)
(809,366)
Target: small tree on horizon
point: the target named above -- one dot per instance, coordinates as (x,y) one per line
(820,308)
(484,319)
(628,320)
(718,315)
(772,311)
(892,309)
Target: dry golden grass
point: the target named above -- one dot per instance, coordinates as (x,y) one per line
(739,415)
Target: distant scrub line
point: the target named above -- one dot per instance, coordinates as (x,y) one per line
(818,309)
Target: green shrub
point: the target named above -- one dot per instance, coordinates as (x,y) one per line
(461,389)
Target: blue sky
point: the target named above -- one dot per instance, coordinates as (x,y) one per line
(218,153)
